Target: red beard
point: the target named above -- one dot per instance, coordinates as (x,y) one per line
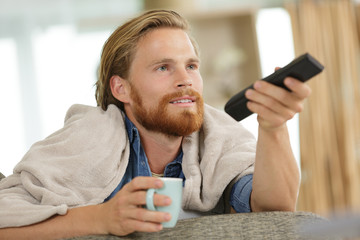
(159,120)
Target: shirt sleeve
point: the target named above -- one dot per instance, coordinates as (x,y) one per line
(240,194)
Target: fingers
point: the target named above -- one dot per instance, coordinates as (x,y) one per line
(144,215)
(141,226)
(278,99)
(139,198)
(137,191)
(125,219)
(275,105)
(143,183)
(266,105)
(125,212)
(298,88)
(268,118)
(130,225)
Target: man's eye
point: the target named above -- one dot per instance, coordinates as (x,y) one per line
(162,68)
(192,67)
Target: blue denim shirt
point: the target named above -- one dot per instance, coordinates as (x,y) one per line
(139,166)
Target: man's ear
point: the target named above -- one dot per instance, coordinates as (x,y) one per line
(119,88)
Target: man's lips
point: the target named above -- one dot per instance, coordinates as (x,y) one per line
(185,99)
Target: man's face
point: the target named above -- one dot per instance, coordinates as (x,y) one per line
(166,85)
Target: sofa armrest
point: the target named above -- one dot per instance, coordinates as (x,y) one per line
(263,225)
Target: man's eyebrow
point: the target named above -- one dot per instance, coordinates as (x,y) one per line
(170,60)
(161,61)
(194,60)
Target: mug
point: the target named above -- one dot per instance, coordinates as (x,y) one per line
(172,188)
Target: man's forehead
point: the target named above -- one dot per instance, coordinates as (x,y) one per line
(164,36)
(166,45)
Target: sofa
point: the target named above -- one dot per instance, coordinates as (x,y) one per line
(263,225)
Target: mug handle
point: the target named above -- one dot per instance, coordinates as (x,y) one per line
(150,199)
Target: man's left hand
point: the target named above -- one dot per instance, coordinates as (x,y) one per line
(275,105)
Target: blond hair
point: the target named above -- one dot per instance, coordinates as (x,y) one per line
(120,47)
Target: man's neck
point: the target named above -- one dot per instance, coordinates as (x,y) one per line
(160,149)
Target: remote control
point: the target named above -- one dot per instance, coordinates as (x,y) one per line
(302,68)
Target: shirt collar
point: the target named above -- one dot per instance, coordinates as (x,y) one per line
(131,129)
(133,134)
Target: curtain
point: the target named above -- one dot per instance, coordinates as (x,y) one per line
(330,123)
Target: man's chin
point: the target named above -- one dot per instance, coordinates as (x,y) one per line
(182,110)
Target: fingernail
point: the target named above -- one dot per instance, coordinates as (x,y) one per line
(257,85)
(158,183)
(289,81)
(248,93)
(167,217)
(167,201)
(159,227)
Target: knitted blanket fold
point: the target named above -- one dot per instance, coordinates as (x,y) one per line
(82,163)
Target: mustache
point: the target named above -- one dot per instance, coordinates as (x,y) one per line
(185,92)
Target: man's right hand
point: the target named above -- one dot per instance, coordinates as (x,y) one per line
(124,213)
(121,215)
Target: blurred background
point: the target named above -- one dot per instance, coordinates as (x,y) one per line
(50,51)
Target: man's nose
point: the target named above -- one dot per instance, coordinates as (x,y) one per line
(183,79)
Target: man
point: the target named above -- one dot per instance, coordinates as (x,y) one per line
(91,176)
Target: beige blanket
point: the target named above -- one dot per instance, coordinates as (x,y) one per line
(82,163)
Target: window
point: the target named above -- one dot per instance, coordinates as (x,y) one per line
(11,123)
(276,49)
(65,64)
